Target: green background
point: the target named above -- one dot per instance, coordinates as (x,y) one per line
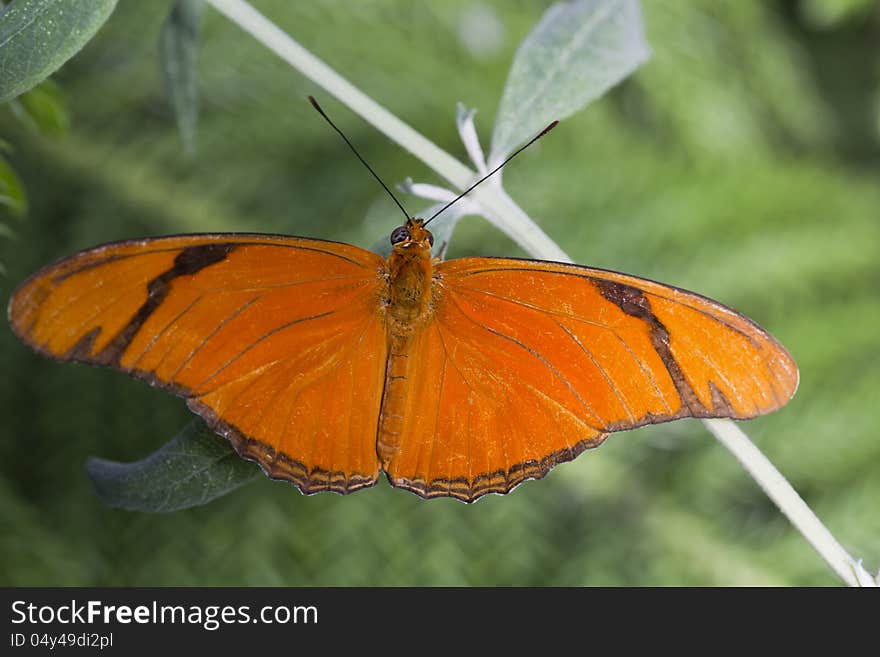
(743,161)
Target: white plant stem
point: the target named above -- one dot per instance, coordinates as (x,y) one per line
(508,216)
(522,229)
(787,499)
(276,40)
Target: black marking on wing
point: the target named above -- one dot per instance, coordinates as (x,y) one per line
(188,262)
(633,302)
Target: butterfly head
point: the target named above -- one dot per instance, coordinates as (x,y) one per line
(412,234)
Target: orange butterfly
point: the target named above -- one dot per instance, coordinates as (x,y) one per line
(326,363)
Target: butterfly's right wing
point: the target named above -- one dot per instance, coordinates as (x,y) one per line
(525,364)
(277,342)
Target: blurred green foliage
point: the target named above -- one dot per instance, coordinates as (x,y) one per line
(12,195)
(742,161)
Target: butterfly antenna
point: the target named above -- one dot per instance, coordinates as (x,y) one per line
(493,171)
(354,150)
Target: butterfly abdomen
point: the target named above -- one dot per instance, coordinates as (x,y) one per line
(394,397)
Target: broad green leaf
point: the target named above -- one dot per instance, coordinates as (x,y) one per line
(196,467)
(575,54)
(38,36)
(43,108)
(179,52)
(12,193)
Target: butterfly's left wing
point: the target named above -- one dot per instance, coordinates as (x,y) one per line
(278,342)
(525,364)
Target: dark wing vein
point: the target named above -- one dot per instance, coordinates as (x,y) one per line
(216,330)
(543,311)
(584,320)
(561,407)
(62,327)
(649,374)
(274,286)
(633,284)
(537,356)
(721,376)
(71,301)
(261,339)
(284,389)
(607,378)
(165,329)
(711,316)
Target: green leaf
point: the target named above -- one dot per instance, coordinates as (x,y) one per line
(43,108)
(12,193)
(196,467)
(575,54)
(38,36)
(179,53)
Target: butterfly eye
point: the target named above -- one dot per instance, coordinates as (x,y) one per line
(431,239)
(399,234)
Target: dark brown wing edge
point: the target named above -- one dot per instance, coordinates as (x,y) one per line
(498,482)
(277,465)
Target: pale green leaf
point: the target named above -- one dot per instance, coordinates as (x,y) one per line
(38,36)
(575,54)
(179,52)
